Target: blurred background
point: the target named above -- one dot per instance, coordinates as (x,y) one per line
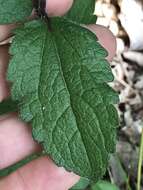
(125,19)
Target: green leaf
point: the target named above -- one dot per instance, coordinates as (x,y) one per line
(82,12)
(12,11)
(8,106)
(60,78)
(81,185)
(102,185)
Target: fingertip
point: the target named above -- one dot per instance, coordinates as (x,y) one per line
(106,38)
(58,8)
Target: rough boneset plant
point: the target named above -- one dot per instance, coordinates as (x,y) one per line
(59,76)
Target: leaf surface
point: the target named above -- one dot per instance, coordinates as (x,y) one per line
(60,77)
(82,12)
(82,184)
(102,185)
(12,11)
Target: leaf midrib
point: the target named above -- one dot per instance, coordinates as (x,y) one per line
(62,73)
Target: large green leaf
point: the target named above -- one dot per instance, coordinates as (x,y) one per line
(82,12)
(60,77)
(14,10)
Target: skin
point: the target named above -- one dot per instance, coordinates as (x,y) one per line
(15,136)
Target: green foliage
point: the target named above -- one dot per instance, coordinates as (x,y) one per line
(14,10)
(8,106)
(61,84)
(59,77)
(18,10)
(103,185)
(81,185)
(82,12)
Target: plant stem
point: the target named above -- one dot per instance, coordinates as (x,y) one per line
(128,184)
(14,167)
(140,163)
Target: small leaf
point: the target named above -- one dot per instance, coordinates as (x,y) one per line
(82,12)
(81,185)
(12,11)
(102,185)
(60,79)
(8,106)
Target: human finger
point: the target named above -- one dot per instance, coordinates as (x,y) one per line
(5,31)
(58,8)
(4,59)
(53,8)
(106,39)
(16,141)
(39,174)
